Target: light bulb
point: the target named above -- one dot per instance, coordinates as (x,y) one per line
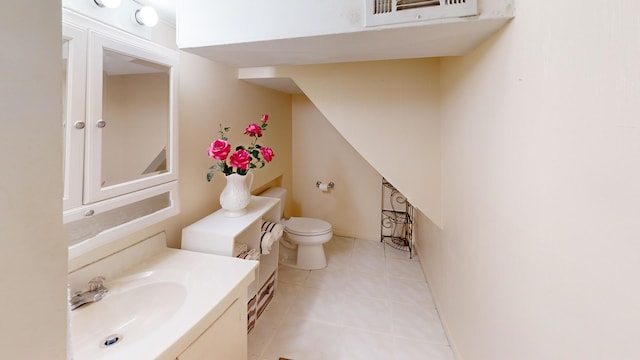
(147,16)
(112,4)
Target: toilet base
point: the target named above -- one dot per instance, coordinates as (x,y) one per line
(311,257)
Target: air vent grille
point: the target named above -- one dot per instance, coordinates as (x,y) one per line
(384,12)
(412,4)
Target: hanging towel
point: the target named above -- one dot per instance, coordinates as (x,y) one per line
(239,248)
(266,240)
(250,255)
(274,228)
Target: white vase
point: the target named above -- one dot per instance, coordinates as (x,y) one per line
(236,195)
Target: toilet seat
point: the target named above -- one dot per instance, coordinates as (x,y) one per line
(307,226)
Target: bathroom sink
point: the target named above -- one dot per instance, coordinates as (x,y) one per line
(157,308)
(132,308)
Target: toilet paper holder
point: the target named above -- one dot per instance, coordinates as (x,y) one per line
(330,185)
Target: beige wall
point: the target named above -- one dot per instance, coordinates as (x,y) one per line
(539,255)
(33,260)
(389,112)
(321,153)
(211,94)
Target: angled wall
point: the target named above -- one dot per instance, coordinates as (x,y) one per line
(388,111)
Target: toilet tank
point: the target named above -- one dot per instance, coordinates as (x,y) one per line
(277,192)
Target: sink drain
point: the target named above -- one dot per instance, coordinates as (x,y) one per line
(111,340)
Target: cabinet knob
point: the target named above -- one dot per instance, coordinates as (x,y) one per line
(78,124)
(89,213)
(101,123)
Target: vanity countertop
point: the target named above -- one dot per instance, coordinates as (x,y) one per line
(160,306)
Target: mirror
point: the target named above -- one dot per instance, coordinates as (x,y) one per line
(131,116)
(136,114)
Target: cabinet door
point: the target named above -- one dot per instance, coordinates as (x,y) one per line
(131,115)
(74,67)
(225,339)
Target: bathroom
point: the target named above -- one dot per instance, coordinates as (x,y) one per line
(531,145)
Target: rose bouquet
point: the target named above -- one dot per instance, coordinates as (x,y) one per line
(243,158)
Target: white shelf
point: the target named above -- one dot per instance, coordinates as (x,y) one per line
(218,234)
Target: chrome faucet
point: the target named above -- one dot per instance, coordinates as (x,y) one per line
(95,292)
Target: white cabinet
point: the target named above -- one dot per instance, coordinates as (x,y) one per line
(219,234)
(226,338)
(120,121)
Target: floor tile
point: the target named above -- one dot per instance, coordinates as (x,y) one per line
(370,302)
(367,284)
(305,339)
(318,304)
(366,262)
(411,349)
(406,269)
(327,279)
(417,322)
(366,313)
(366,345)
(410,291)
(291,275)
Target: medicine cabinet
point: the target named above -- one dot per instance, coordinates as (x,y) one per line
(119,129)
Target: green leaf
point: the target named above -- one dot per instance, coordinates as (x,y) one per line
(210,176)
(252,166)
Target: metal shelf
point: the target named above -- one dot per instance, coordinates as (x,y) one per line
(396,219)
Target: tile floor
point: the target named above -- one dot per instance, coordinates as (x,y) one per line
(371,302)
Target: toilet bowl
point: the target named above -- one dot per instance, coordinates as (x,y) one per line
(308,234)
(305,236)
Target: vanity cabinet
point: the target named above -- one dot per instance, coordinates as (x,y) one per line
(219,234)
(119,129)
(226,338)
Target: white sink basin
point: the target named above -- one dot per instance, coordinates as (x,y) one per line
(132,308)
(158,308)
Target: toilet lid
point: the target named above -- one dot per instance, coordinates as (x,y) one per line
(307,226)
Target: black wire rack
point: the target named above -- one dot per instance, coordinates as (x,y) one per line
(397,219)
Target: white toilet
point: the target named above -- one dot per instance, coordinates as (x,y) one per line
(306,234)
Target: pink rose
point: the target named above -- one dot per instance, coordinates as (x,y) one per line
(253,130)
(219,149)
(265,117)
(240,159)
(267,154)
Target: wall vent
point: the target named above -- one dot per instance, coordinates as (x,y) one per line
(387,12)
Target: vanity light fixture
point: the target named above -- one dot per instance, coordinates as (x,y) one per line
(147,16)
(111,4)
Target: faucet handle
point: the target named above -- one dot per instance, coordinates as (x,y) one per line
(97,283)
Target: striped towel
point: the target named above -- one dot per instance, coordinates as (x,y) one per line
(277,230)
(266,240)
